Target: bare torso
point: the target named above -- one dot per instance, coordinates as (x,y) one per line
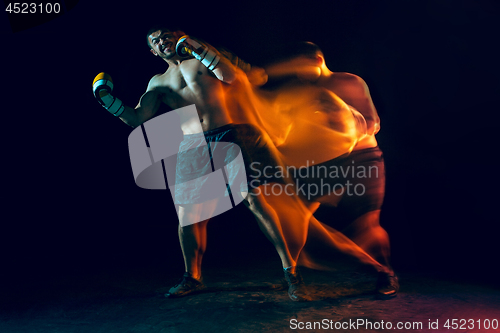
(189,83)
(321,125)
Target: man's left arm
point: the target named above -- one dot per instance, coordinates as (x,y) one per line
(256,75)
(209,56)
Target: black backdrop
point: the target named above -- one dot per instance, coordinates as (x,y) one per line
(69,199)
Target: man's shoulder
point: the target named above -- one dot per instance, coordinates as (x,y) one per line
(189,61)
(346,81)
(345,77)
(159,80)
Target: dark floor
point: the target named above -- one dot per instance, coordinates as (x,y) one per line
(246,297)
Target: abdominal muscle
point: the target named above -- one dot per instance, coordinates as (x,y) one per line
(210,107)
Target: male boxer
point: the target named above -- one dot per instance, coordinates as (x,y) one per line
(306,63)
(197,74)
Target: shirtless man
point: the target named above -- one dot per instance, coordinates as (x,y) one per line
(306,63)
(197,74)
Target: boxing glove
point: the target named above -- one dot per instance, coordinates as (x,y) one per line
(102,88)
(190,46)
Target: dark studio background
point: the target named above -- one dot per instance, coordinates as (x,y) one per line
(71,207)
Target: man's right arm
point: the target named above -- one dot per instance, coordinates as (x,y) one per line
(146,108)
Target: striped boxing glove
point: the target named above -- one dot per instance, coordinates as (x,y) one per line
(102,88)
(190,46)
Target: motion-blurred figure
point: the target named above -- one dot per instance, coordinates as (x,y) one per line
(363,168)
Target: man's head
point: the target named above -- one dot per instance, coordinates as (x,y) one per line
(304,60)
(307,52)
(162,41)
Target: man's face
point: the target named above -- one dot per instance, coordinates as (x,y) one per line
(163,43)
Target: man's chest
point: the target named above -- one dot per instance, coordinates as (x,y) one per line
(186,79)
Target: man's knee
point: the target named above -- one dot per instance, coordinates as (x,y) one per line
(251,198)
(187,230)
(196,213)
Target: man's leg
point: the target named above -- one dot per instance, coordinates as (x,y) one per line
(269,223)
(294,216)
(193,241)
(333,239)
(367,232)
(371,237)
